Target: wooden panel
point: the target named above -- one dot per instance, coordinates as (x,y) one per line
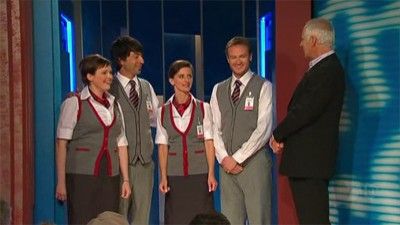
(5,127)
(16,100)
(290,67)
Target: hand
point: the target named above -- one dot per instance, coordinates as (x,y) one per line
(277,147)
(61,192)
(237,169)
(212,183)
(230,165)
(164,186)
(125,190)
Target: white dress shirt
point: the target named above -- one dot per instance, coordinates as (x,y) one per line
(69,113)
(182,122)
(319,58)
(154,101)
(260,135)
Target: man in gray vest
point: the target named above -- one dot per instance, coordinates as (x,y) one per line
(242,115)
(139,104)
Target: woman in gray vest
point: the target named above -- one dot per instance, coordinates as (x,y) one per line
(186,150)
(91,146)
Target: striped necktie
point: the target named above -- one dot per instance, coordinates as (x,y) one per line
(133,95)
(236,92)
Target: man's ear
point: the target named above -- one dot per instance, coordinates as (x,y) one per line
(171,81)
(251,57)
(313,40)
(119,62)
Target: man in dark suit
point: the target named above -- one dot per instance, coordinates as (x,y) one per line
(308,135)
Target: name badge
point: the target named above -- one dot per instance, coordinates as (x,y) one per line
(249,103)
(200,131)
(149,106)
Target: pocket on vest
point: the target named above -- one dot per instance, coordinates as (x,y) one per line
(200,151)
(82,149)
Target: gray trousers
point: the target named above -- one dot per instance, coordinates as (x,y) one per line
(137,207)
(247,195)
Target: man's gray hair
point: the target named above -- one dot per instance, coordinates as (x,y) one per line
(322,29)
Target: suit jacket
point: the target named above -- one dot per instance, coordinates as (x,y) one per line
(311,126)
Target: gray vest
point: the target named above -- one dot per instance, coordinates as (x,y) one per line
(91,140)
(137,121)
(237,123)
(186,151)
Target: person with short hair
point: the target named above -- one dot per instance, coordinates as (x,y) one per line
(139,104)
(91,150)
(242,114)
(109,218)
(186,150)
(308,135)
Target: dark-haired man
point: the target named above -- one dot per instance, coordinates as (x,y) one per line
(139,104)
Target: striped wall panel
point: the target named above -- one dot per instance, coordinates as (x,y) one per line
(366,189)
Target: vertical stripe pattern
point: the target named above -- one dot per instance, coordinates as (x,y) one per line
(133,95)
(236,92)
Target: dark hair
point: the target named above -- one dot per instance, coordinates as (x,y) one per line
(238,40)
(210,219)
(122,47)
(177,65)
(90,64)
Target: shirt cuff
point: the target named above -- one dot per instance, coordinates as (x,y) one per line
(64,133)
(220,156)
(239,158)
(208,136)
(122,142)
(161,141)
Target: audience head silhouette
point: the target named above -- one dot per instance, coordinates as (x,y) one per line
(210,219)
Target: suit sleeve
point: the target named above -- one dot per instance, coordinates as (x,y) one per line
(313,98)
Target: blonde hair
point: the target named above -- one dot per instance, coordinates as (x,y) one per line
(238,40)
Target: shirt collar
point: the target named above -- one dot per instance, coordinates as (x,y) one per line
(85,94)
(319,58)
(125,81)
(172,98)
(244,79)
